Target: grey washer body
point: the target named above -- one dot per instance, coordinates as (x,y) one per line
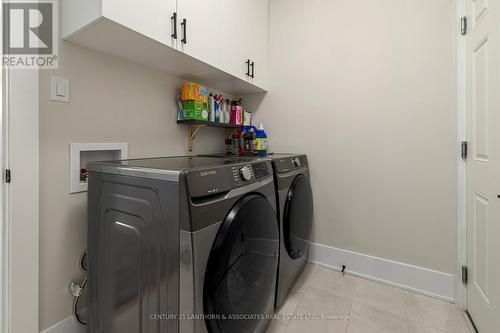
(150,233)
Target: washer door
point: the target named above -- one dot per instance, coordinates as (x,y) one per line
(240,279)
(298,217)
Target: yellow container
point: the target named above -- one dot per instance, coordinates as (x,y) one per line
(190,91)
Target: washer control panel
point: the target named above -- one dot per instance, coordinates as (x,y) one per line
(250,172)
(245,173)
(242,173)
(222,179)
(260,170)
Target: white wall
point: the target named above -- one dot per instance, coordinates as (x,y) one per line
(111,101)
(365,88)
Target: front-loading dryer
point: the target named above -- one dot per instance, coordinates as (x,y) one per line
(295,216)
(182,244)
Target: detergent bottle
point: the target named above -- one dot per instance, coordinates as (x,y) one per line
(260,141)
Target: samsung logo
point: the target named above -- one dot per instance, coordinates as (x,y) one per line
(208,173)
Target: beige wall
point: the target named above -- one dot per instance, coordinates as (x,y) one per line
(111,101)
(365,88)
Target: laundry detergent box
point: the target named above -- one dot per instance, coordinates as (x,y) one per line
(195,110)
(191,91)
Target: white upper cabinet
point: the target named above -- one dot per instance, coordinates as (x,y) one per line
(219,43)
(235,27)
(199,24)
(152,18)
(258,41)
(244,39)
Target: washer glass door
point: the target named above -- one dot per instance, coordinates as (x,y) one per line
(298,217)
(240,279)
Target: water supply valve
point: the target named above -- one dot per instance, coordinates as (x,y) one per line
(75,289)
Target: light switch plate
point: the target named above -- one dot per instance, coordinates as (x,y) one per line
(59,89)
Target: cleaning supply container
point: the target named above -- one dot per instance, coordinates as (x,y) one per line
(247,139)
(260,141)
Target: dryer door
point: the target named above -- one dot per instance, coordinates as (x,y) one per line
(240,279)
(298,217)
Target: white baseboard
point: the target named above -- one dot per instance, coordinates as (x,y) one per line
(418,279)
(68,325)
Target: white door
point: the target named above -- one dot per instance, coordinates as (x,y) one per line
(152,18)
(199,34)
(483,166)
(244,38)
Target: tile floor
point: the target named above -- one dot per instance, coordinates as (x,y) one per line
(361,306)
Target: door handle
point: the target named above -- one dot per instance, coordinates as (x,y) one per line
(184,31)
(253,69)
(248,67)
(174,22)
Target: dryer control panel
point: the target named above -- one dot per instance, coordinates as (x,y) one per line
(287,164)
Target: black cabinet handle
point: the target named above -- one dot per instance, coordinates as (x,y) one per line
(248,67)
(253,70)
(174,22)
(184,29)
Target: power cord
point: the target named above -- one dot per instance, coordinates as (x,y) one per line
(76,289)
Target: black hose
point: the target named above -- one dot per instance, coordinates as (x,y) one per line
(75,305)
(83,266)
(83,261)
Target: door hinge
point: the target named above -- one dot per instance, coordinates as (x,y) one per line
(463,152)
(463,25)
(465,273)
(7,176)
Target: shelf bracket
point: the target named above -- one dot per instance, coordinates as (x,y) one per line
(192,132)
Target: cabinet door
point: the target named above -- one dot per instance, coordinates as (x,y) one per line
(152,18)
(258,41)
(235,28)
(244,30)
(199,36)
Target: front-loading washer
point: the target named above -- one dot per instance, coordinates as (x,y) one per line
(182,244)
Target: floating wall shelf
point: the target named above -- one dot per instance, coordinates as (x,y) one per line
(194,126)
